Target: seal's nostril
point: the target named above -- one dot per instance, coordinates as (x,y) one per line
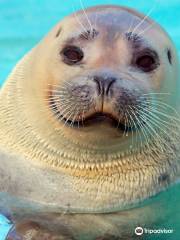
(109,86)
(104,84)
(99,85)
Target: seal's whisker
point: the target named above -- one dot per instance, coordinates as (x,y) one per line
(159,105)
(61,119)
(54,85)
(152,131)
(51,97)
(155,110)
(48,99)
(144,19)
(51,100)
(78,20)
(163,140)
(119,120)
(60,97)
(155,93)
(128,122)
(61,89)
(162,105)
(160,110)
(59,101)
(68,116)
(66,83)
(82,118)
(65,109)
(58,91)
(152,99)
(140,125)
(69,107)
(125,124)
(151,110)
(75,116)
(157,139)
(144,131)
(143,113)
(54,96)
(163,126)
(171,121)
(55,111)
(146,29)
(59,115)
(53,107)
(131,26)
(133,124)
(156,119)
(53,90)
(88,20)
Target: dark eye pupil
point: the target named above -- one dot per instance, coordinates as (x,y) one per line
(145,62)
(72,55)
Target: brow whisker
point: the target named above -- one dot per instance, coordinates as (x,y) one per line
(145,17)
(78,20)
(84,11)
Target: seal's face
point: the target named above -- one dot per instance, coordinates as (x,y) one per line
(108,71)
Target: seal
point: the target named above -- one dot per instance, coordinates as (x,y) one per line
(89,117)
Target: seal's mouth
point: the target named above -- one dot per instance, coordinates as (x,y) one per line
(99,118)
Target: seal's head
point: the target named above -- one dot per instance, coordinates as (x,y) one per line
(97,97)
(103,71)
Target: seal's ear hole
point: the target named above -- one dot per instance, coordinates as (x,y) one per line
(58,32)
(164,177)
(169,55)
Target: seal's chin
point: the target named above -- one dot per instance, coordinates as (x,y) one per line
(100,118)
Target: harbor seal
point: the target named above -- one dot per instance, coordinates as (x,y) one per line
(89,117)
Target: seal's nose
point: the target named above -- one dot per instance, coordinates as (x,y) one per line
(104,84)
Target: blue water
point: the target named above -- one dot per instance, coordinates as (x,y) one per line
(24,23)
(5,226)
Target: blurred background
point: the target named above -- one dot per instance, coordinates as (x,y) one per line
(24,22)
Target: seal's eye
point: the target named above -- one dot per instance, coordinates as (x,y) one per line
(72,55)
(146,63)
